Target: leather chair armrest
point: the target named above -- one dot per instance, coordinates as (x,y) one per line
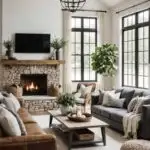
(47,141)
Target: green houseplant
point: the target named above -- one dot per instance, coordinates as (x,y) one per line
(104,62)
(57,44)
(66,101)
(8,45)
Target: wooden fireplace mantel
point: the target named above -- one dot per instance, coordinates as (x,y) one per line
(32,62)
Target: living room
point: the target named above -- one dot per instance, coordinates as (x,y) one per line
(92,57)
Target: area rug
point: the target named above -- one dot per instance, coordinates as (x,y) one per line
(114,139)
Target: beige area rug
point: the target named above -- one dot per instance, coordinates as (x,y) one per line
(114,139)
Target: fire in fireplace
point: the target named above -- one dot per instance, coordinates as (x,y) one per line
(34,84)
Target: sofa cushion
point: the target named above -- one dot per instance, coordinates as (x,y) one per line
(96,109)
(138,92)
(33,129)
(25,116)
(118,114)
(127,94)
(146,92)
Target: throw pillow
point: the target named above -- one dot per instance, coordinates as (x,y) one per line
(9,123)
(54,90)
(132,104)
(15,101)
(85,90)
(128,95)
(20,122)
(7,101)
(77,95)
(141,101)
(106,97)
(114,101)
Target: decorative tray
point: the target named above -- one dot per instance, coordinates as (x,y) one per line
(85,117)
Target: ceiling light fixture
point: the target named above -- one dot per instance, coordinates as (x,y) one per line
(72,5)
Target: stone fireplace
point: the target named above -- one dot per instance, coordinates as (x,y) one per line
(34,84)
(19,73)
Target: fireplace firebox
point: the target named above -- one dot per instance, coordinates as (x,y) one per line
(34,84)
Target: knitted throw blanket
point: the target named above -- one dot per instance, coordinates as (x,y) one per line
(131,124)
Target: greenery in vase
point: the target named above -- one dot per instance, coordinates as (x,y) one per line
(104,59)
(66,100)
(8,44)
(58,43)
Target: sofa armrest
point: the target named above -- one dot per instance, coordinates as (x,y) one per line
(21,101)
(145,122)
(87,99)
(38,142)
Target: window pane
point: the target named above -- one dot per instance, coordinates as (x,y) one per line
(140,81)
(86,61)
(125,36)
(73,23)
(140,17)
(78,37)
(125,80)
(146,32)
(146,44)
(78,23)
(129,68)
(92,23)
(78,74)
(141,70)
(146,57)
(78,61)
(86,23)
(146,82)
(86,74)
(129,46)
(92,37)
(146,70)
(141,57)
(78,48)
(86,37)
(125,58)
(141,48)
(146,16)
(141,33)
(125,46)
(130,80)
(92,48)
(125,69)
(92,75)
(86,48)
(125,22)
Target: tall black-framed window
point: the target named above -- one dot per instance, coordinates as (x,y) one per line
(84,41)
(136,49)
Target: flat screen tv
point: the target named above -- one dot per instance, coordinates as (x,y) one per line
(32,43)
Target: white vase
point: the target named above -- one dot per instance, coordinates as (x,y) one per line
(65,109)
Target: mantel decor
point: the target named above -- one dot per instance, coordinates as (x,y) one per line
(72,5)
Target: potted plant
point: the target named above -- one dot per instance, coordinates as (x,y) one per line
(66,102)
(104,60)
(57,44)
(8,45)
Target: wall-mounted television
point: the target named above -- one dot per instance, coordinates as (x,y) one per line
(32,43)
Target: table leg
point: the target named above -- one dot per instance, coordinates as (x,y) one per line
(70,140)
(50,120)
(103,135)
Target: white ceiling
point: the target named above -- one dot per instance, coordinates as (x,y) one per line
(112,3)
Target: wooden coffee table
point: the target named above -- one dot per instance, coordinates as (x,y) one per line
(70,126)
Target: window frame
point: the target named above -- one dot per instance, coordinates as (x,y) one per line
(82,30)
(136,26)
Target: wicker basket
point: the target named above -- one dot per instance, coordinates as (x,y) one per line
(80,119)
(84,135)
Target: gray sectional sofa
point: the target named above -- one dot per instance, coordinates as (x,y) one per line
(114,116)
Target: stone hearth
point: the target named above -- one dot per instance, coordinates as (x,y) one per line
(12,74)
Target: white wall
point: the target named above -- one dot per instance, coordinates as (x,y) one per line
(116,28)
(0,37)
(31,16)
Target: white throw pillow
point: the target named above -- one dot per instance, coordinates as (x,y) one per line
(107,94)
(15,101)
(9,123)
(85,90)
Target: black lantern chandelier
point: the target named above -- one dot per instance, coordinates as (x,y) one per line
(72,5)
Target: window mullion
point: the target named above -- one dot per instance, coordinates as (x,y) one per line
(82,51)
(136,53)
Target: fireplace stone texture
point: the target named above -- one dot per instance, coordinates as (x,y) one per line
(12,74)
